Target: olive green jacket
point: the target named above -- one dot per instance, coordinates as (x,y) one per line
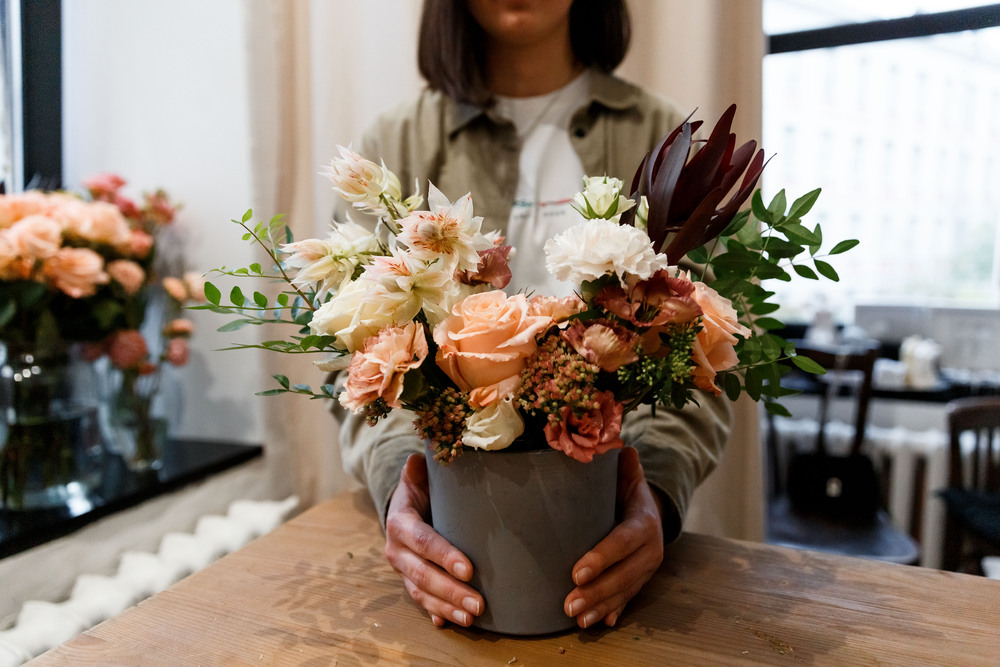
(463,149)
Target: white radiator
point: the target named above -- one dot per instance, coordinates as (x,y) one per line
(911,500)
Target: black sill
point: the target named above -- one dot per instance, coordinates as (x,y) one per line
(184,462)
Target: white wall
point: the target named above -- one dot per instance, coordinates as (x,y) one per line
(157,92)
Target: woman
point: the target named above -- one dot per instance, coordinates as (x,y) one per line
(520,105)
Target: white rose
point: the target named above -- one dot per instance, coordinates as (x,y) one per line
(494,427)
(596,248)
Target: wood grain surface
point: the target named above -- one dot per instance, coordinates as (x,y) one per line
(317,591)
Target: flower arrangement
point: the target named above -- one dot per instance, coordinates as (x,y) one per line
(667,300)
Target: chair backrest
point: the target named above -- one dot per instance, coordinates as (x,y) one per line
(978,468)
(841,362)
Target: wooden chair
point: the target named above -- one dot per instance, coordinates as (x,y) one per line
(871,535)
(972,499)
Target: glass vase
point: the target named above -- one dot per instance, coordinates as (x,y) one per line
(50,448)
(131,424)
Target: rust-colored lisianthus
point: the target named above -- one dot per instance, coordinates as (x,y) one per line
(658,301)
(685,196)
(594,432)
(493,268)
(602,343)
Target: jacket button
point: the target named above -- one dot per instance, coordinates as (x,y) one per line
(579,133)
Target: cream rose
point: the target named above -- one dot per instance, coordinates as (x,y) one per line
(494,427)
(485,343)
(377,371)
(714,347)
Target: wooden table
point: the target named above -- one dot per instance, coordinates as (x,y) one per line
(317,591)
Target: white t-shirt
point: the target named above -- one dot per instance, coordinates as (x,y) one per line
(550,173)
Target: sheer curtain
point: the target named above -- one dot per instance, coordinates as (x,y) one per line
(320,70)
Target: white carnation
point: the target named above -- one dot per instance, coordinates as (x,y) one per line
(596,248)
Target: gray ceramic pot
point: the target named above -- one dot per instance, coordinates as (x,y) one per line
(523,519)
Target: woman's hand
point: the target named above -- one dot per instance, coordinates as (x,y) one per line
(433,570)
(611,573)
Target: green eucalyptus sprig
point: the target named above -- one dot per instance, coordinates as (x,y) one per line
(292,305)
(760,244)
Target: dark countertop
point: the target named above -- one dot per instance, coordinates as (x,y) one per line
(184,462)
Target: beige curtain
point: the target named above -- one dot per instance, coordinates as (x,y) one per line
(319,71)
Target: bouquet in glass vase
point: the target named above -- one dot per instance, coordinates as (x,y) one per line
(667,303)
(151,333)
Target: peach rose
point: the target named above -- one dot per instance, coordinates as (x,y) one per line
(484,344)
(377,370)
(128,274)
(12,265)
(595,432)
(18,206)
(127,349)
(36,236)
(714,347)
(76,271)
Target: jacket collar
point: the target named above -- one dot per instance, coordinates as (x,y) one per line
(606,90)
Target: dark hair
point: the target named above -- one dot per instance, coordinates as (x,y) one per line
(452,57)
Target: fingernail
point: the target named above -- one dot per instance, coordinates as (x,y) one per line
(462,571)
(590,618)
(575,607)
(583,576)
(471,605)
(460,617)
(612,619)
(437,620)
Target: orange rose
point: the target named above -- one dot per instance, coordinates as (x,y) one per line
(377,370)
(714,348)
(485,342)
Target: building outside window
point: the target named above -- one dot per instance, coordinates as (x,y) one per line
(903,136)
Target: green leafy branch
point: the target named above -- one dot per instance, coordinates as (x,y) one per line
(292,306)
(744,256)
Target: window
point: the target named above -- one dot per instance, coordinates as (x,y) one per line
(901,132)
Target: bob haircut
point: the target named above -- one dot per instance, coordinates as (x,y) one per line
(451,53)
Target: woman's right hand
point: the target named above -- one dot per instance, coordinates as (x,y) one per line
(434,572)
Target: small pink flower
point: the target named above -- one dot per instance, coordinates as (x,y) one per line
(594,432)
(377,370)
(175,288)
(127,349)
(104,186)
(128,274)
(76,271)
(195,284)
(177,351)
(140,244)
(127,207)
(157,208)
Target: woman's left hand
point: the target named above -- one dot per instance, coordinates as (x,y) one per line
(611,573)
